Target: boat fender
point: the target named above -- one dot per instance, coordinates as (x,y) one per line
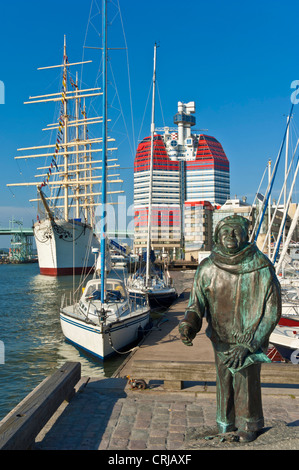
(136,384)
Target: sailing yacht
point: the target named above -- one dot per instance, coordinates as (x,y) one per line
(104,327)
(68,186)
(285,336)
(105,319)
(157,287)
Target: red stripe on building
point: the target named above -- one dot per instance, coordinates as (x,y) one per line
(210,150)
(161,161)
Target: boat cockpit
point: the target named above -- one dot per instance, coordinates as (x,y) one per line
(115,291)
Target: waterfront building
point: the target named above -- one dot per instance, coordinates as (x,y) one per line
(166,198)
(234,206)
(198,228)
(190,178)
(251,212)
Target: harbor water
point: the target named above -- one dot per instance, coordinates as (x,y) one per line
(32,344)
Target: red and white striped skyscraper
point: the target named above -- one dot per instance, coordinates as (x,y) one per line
(190,177)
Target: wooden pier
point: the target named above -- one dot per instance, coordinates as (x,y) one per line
(163,356)
(20,427)
(161,360)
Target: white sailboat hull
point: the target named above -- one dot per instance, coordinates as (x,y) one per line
(285,339)
(64,248)
(103,340)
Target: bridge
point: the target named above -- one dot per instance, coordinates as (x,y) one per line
(22,239)
(28,232)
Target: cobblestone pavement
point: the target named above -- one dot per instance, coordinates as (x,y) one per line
(102,418)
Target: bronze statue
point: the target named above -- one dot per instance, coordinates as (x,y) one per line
(238,291)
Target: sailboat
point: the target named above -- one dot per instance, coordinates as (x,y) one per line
(156,286)
(286,340)
(65,228)
(105,319)
(285,336)
(104,327)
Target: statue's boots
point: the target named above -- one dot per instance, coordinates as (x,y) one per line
(247,436)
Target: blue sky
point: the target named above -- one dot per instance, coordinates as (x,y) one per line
(235,59)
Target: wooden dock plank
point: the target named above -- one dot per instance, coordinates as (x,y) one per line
(163,356)
(20,427)
(179,371)
(163,342)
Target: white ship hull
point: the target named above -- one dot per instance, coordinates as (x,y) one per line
(64,248)
(103,340)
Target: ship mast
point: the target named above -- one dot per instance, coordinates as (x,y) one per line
(104,155)
(151,174)
(77,190)
(75,171)
(65,117)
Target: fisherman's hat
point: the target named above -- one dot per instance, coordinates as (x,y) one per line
(231,220)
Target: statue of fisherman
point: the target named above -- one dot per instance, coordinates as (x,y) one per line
(237,290)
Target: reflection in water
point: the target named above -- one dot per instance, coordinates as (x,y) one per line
(90,366)
(30,329)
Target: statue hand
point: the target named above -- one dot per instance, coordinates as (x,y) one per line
(236,356)
(187,333)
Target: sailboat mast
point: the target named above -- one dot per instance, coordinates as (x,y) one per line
(104,154)
(151,173)
(65,156)
(285,175)
(269,213)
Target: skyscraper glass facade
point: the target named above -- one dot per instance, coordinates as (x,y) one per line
(190,178)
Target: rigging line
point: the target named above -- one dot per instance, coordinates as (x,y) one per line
(55,113)
(121,109)
(294,127)
(86,32)
(12,193)
(89,244)
(97,78)
(266,200)
(115,15)
(129,79)
(95,27)
(294,134)
(98,33)
(160,104)
(290,167)
(286,208)
(251,211)
(99,9)
(144,111)
(117,119)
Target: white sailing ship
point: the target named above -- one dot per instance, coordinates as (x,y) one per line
(69,186)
